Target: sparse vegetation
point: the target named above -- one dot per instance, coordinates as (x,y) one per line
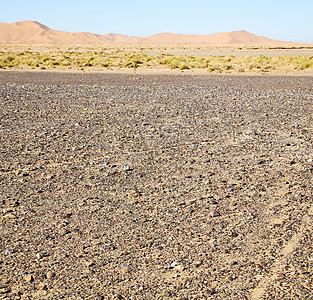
(124,58)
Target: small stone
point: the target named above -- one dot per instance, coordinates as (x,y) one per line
(211,291)
(8,252)
(38,256)
(215,213)
(135,194)
(310,160)
(6,280)
(234,234)
(42,286)
(127,168)
(145,123)
(29,278)
(9,216)
(197,263)
(90,264)
(174,264)
(250,216)
(89,271)
(124,270)
(49,275)
(3,286)
(167,293)
(4,289)
(208,160)
(179,268)
(16,203)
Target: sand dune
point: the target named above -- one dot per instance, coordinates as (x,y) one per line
(235,37)
(121,38)
(32,32)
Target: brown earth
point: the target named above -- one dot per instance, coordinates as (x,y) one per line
(32,32)
(116,186)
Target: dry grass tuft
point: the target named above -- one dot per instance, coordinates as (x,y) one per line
(125,58)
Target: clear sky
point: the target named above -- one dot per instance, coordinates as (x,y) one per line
(287,20)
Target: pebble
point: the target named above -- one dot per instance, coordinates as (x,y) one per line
(197,263)
(215,213)
(234,234)
(145,123)
(174,264)
(3,286)
(29,278)
(127,168)
(42,286)
(4,289)
(124,270)
(179,268)
(9,216)
(49,275)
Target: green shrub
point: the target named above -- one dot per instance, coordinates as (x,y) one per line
(183,66)
(122,57)
(131,64)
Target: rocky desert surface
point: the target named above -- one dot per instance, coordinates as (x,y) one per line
(129,186)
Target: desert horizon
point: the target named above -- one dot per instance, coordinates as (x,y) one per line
(33,32)
(30,45)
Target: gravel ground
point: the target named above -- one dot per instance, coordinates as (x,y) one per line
(155,187)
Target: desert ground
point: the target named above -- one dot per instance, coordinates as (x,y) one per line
(137,186)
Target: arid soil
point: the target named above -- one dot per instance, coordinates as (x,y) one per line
(155,186)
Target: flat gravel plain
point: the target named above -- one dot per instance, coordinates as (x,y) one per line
(155,186)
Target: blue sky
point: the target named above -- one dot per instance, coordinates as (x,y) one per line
(278,19)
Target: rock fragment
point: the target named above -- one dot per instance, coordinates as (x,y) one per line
(127,168)
(29,278)
(49,275)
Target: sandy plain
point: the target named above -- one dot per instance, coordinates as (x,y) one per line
(200,50)
(132,186)
(187,59)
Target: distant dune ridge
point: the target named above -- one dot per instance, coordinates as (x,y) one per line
(32,32)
